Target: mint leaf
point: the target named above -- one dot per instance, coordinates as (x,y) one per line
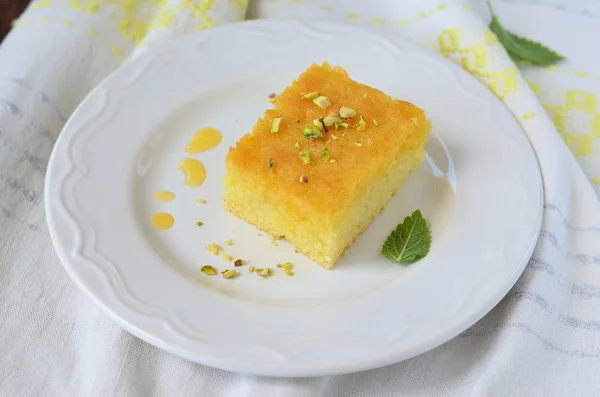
(409,241)
(522,49)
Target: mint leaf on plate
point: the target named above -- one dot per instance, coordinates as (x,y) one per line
(522,49)
(409,241)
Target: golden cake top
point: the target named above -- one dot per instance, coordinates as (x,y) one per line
(328,135)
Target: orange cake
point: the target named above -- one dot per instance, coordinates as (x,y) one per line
(318,167)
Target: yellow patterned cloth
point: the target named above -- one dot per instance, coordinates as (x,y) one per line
(541,340)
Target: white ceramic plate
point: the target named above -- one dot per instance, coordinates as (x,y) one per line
(480,190)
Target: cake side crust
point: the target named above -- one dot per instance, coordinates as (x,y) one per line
(321,237)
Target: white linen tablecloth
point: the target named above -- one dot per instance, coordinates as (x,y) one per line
(543,339)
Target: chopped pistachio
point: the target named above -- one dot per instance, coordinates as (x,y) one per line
(304,179)
(376,123)
(331,120)
(273,97)
(322,101)
(208,270)
(266,272)
(275,124)
(228,273)
(270,163)
(238,262)
(332,161)
(229,242)
(362,124)
(319,124)
(305,157)
(199,223)
(312,173)
(311,95)
(346,113)
(201,201)
(325,154)
(213,248)
(312,132)
(287,269)
(344,125)
(251,269)
(297,145)
(225,256)
(335,138)
(357,143)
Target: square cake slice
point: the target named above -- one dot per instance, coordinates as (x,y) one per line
(321,165)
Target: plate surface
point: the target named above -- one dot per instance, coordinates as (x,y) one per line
(126,139)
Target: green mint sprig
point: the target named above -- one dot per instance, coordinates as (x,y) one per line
(522,49)
(410,240)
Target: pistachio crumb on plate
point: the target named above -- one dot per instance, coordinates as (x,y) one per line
(208,270)
(225,256)
(213,248)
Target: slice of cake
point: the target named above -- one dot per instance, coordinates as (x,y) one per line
(320,165)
